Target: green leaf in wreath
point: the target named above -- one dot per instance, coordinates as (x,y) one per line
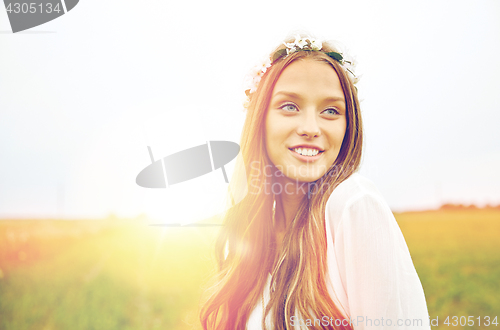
(279,54)
(336,56)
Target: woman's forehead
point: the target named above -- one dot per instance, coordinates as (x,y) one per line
(309,76)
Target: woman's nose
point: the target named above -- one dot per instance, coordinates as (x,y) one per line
(309,126)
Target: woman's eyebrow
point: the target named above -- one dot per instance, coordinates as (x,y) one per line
(289,94)
(335,99)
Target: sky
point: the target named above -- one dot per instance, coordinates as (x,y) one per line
(82,96)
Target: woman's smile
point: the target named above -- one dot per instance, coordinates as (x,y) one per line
(306,154)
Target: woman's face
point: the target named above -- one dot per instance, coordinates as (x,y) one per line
(306,120)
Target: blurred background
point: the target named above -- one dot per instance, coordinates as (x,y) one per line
(82,96)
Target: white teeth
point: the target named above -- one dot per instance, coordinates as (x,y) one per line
(306,151)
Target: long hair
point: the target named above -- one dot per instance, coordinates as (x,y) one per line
(246,249)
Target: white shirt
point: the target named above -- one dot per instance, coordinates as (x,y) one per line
(371,276)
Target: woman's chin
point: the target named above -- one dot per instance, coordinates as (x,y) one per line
(302,175)
(303,179)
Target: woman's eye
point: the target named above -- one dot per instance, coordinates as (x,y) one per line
(289,107)
(331,112)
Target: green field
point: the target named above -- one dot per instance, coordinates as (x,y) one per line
(123,274)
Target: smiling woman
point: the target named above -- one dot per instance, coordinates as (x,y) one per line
(313,244)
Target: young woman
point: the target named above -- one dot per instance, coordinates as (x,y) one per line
(313,244)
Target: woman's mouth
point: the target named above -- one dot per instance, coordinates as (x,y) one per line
(306,151)
(306,154)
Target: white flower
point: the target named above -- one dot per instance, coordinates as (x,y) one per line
(265,65)
(300,42)
(261,68)
(349,62)
(316,44)
(349,67)
(255,71)
(252,79)
(255,83)
(291,50)
(290,47)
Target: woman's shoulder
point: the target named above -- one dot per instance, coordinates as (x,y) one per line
(353,188)
(356,192)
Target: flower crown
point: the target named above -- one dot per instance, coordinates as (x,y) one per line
(300,44)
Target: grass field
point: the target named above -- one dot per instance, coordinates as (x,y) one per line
(123,274)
